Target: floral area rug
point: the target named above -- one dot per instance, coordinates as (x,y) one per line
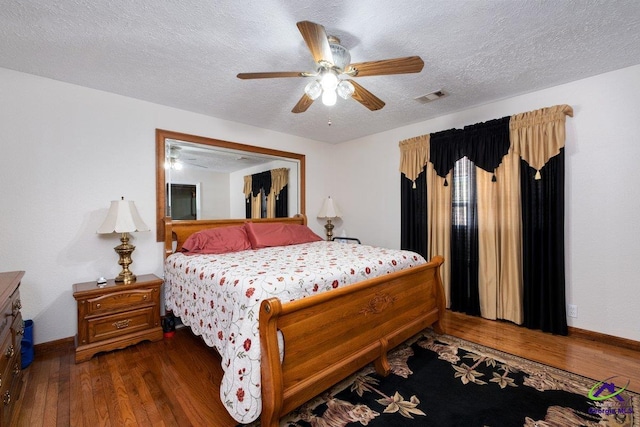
(439,380)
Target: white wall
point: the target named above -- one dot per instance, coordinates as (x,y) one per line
(602,191)
(66,152)
(214,189)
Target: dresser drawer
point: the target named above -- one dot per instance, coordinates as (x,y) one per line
(7,354)
(15,303)
(10,380)
(17,329)
(116,325)
(118,301)
(11,330)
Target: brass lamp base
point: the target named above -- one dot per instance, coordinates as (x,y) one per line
(125,250)
(329,227)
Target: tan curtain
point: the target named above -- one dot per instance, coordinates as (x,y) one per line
(271,205)
(414,154)
(538,135)
(500,279)
(279,179)
(439,224)
(256,206)
(247,187)
(256,202)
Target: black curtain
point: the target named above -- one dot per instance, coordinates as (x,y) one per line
(260,181)
(282,203)
(484,145)
(446,148)
(413,213)
(543,246)
(465,293)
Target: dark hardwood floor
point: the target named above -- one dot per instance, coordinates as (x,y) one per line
(173,382)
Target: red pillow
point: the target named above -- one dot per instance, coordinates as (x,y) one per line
(267,234)
(217,241)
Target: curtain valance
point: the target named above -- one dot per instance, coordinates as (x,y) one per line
(487,143)
(539,135)
(414,154)
(273,180)
(279,179)
(260,181)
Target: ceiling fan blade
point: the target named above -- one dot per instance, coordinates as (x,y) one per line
(302,104)
(366,98)
(316,39)
(271,75)
(408,64)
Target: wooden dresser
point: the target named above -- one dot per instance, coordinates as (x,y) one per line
(116,315)
(11,332)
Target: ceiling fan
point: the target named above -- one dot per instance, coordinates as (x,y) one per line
(333,62)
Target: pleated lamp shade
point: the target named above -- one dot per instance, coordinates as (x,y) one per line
(123,217)
(329,209)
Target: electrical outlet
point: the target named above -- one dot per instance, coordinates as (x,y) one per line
(572,310)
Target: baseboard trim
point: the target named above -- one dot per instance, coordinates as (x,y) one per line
(604,338)
(66,343)
(61,344)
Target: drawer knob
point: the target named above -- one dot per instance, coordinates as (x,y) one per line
(6,399)
(10,352)
(98,305)
(17,305)
(121,324)
(16,369)
(144,297)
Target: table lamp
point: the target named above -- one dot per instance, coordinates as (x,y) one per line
(123,218)
(329,211)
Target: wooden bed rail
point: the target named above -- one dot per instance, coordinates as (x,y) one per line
(329,336)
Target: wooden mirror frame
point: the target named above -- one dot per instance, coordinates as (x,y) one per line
(162,135)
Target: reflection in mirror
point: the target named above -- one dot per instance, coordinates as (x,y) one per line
(203,178)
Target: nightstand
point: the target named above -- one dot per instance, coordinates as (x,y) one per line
(116,315)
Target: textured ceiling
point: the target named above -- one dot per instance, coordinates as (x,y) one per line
(186,53)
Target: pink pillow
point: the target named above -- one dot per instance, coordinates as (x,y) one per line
(267,234)
(217,241)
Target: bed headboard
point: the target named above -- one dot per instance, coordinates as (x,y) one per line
(179,230)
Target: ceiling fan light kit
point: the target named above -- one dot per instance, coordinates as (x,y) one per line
(334,60)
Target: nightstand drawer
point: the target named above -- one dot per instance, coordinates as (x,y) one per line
(123,300)
(111,326)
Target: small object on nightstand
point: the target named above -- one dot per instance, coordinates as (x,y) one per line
(102,282)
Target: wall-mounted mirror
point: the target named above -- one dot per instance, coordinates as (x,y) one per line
(204,178)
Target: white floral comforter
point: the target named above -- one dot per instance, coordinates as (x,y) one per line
(219,297)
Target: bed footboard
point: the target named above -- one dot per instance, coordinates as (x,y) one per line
(329,336)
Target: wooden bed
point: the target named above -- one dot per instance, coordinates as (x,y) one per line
(333,334)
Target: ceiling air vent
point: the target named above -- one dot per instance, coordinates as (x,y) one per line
(431,96)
